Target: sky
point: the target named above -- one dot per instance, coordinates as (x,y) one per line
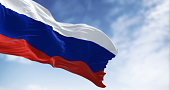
(138,28)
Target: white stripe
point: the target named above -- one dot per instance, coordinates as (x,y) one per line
(80,31)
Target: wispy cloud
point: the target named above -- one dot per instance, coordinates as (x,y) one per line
(28,87)
(142,62)
(35,87)
(17,59)
(121,2)
(41,87)
(142,41)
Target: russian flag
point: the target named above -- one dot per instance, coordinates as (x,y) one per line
(28,30)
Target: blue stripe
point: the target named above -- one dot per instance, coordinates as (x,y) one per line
(50,42)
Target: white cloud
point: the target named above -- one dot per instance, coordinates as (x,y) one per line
(150,3)
(17,59)
(39,87)
(31,87)
(142,62)
(35,87)
(121,2)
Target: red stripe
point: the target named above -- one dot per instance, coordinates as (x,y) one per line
(20,47)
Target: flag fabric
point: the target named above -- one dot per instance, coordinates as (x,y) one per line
(28,30)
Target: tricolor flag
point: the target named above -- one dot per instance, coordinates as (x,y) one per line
(28,30)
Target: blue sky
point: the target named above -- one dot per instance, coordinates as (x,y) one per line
(139,29)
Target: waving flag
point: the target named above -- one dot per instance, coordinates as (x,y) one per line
(28,30)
